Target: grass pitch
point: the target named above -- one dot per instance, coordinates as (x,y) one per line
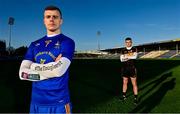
(96,85)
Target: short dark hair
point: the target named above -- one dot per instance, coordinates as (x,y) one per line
(128,38)
(53,8)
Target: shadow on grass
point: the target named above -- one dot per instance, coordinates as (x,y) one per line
(152,101)
(155,83)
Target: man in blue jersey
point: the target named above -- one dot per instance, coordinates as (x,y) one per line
(46,63)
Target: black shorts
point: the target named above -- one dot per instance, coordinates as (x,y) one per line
(129,72)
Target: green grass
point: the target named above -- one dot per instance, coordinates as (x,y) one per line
(95,86)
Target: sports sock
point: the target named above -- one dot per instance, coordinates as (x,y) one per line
(135,96)
(124,94)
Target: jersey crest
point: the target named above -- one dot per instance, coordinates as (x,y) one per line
(57,45)
(48,42)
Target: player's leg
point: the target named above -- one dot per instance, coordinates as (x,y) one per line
(134,84)
(125,82)
(135,88)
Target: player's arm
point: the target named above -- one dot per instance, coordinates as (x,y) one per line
(123,58)
(52,69)
(25,73)
(61,64)
(134,56)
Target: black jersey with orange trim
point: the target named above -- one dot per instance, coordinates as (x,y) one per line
(129,52)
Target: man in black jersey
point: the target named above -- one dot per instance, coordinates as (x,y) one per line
(128,57)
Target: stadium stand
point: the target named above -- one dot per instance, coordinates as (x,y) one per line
(155,54)
(89,54)
(162,49)
(109,56)
(168,54)
(177,56)
(140,54)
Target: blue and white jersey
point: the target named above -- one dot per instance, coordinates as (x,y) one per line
(53,90)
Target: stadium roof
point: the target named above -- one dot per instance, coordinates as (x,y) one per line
(153,45)
(160,42)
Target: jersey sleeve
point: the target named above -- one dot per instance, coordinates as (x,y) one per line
(57,68)
(29,54)
(67,49)
(25,73)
